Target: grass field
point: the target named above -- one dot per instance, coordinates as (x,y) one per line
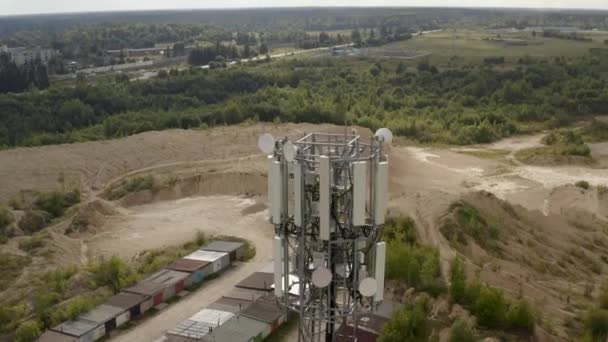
(469,46)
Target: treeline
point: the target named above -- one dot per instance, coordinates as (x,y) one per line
(17,79)
(427,103)
(569,36)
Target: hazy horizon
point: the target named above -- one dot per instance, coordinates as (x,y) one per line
(31,7)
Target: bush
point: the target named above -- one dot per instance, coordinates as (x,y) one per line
(582,184)
(114,273)
(490,307)
(10,316)
(135,184)
(56,202)
(458,282)
(596,324)
(30,244)
(28,331)
(11,266)
(407,324)
(6,218)
(34,220)
(461,332)
(602,189)
(74,308)
(520,316)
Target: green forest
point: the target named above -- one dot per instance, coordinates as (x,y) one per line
(459,104)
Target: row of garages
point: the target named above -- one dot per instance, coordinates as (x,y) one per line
(248,312)
(152,292)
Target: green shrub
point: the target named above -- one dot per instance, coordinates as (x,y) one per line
(56,279)
(602,189)
(34,220)
(469,221)
(31,244)
(131,185)
(6,218)
(520,316)
(582,184)
(417,266)
(11,266)
(490,307)
(74,308)
(10,316)
(458,282)
(596,324)
(461,332)
(401,229)
(407,324)
(112,272)
(28,331)
(56,202)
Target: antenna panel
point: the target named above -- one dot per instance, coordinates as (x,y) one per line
(275,180)
(278,266)
(359,192)
(380,191)
(379,270)
(324,197)
(297,194)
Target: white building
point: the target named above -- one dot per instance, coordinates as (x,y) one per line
(22,55)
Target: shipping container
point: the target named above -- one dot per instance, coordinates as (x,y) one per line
(265,309)
(197,326)
(244,294)
(220,260)
(258,281)
(110,316)
(149,289)
(189,331)
(83,330)
(239,329)
(173,282)
(230,304)
(236,250)
(136,304)
(198,269)
(53,336)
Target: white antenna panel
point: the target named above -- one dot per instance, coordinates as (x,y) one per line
(379,270)
(359,192)
(278,265)
(324,184)
(270,188)
(380,191)
(276,191)
(297,194)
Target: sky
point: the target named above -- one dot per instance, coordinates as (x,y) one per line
(12,7)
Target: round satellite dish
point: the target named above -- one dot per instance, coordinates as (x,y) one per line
(289,151)
(266,143)
(386,134)
(321,277)
(368,287)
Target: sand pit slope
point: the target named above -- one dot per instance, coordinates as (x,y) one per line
(92,165)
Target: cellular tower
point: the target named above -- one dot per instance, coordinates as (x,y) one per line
(327,196)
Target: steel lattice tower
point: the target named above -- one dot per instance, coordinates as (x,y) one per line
(327,201)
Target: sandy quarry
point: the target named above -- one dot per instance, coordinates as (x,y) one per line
(221,187)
